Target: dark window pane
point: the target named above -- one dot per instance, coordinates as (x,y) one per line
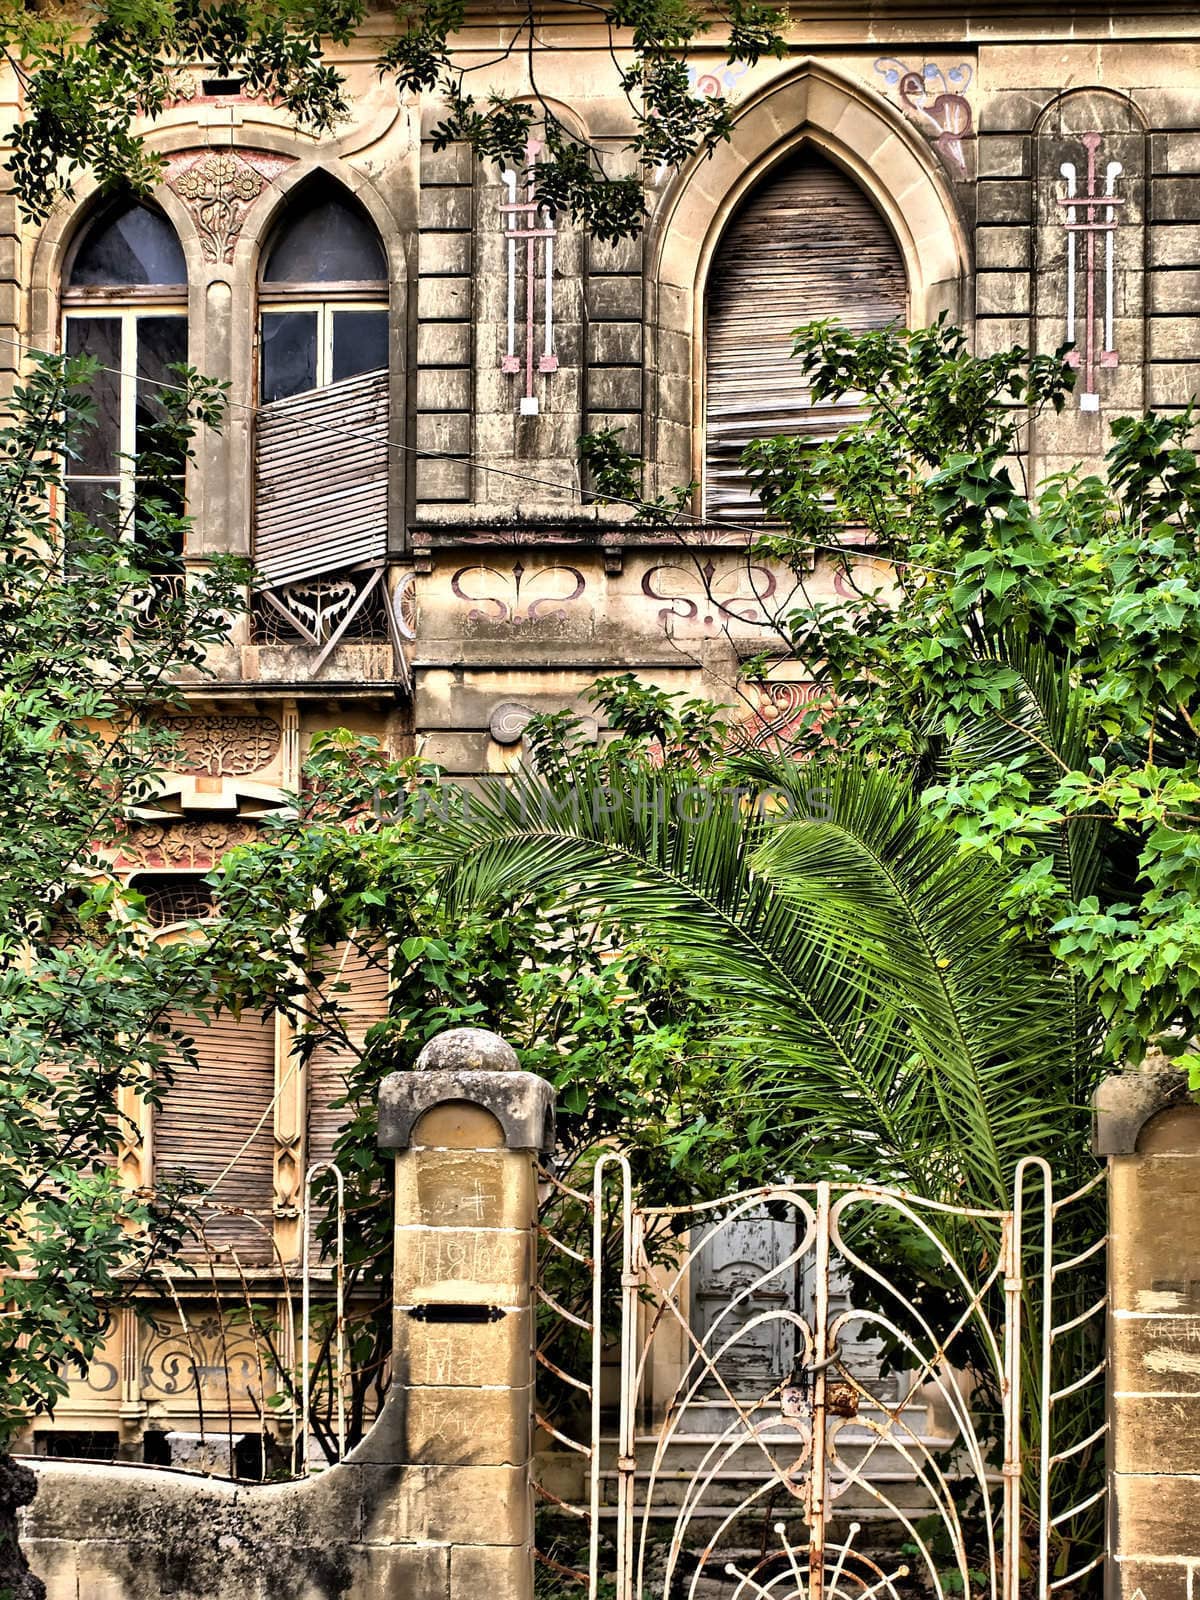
(289,353)
(132,244)
(159,537)
(161,343)
(359,342)
(99,444)
(328,241)
(96,503)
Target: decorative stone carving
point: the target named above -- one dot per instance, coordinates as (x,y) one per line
(508,722)
(404,605)
(507,592)
(219,187)
(223,746)
(937,98)
(713,599)
(187,846)
(777,718)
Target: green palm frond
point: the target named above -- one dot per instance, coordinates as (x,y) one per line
(1043,725)
(863,964)
(982,1007)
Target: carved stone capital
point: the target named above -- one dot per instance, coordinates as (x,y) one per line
(521,1102)
(1125,1102)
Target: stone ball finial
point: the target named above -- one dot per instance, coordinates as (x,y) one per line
(468,1050)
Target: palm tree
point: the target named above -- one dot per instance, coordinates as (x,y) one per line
(888,1013)
(885,1003)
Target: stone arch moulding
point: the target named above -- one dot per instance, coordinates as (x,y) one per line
(864,135)
(861,132)
(259,229)
(57,238)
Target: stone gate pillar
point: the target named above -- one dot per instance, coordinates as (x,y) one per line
(1149,1129)
(466,1126)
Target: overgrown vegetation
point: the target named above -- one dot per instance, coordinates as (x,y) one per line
(94,636)
(88,95)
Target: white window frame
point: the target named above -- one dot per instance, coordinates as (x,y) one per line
(326,309)
(91,309)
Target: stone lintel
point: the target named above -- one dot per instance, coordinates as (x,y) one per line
(521,1102)
(1126,1101)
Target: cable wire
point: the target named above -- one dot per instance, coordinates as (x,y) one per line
(424,453)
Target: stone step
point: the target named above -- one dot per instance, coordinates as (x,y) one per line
(722,1470)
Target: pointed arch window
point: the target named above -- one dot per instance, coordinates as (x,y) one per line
(324,297)
(124,301)
(806,243)
(322,454)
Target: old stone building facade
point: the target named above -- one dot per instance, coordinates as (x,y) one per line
(413,352)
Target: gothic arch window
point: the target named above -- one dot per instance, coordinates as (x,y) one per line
(124,303)
(806,243)
(322,439)
(324,296)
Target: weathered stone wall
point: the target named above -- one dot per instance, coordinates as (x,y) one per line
(1150,1133)
(435,1504)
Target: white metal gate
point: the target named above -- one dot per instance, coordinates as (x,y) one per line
(899,1430)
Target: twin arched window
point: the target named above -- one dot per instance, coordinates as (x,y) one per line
(323,310)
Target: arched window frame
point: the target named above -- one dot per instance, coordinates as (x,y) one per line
(323,463)
(129,309)
(324,300)
(819,422)
(874,142)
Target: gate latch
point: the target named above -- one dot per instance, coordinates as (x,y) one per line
(795,1398)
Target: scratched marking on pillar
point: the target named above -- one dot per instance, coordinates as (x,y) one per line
(443,1260)
(1082,215)
(521,218)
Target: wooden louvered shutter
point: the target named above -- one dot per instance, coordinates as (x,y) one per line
(807,243)
(322,479)
(362,1006)
(223,1113)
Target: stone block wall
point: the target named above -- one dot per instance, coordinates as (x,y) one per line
(1150,1132)
(435,1503)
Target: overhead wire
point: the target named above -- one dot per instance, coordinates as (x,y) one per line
(423,452)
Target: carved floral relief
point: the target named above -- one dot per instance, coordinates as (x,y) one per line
(183,846)
(219,187)
(223,746)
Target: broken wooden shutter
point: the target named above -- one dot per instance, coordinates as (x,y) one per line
(806,243)
(222,1113)
(322,479)
(365,1004)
